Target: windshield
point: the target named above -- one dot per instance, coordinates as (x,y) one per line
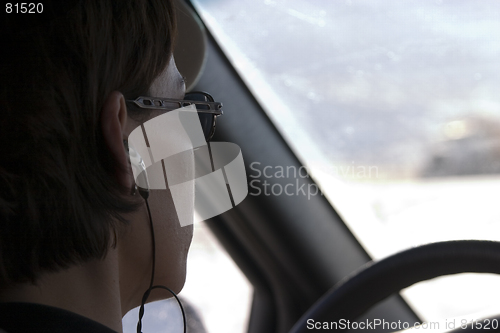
(394,109)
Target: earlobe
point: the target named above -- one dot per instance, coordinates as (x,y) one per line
(113,124)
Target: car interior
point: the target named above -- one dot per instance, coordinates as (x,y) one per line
(370,133)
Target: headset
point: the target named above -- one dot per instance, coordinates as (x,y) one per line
(139,168)
(141,185)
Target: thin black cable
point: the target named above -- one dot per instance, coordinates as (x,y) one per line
(153,267)
(151,287)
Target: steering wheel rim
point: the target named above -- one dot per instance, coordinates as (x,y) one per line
(367,286)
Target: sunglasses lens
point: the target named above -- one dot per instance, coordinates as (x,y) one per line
(206,119)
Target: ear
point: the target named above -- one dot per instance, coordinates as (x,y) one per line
(113,123)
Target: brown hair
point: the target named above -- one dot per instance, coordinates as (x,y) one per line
(59,199)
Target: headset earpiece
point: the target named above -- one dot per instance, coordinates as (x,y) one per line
(138,169)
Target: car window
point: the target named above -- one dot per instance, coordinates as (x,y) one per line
(393,108)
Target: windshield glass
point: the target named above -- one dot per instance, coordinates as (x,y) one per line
(394,109)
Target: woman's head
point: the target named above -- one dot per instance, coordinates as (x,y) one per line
(60,200)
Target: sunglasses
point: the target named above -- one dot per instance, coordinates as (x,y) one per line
(208,110)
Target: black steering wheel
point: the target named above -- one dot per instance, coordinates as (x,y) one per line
(376,281)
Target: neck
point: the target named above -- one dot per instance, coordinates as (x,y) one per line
(91,290)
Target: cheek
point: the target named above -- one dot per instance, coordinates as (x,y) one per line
(172,243)
(172,240)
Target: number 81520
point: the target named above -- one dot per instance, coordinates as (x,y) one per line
(24,8)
